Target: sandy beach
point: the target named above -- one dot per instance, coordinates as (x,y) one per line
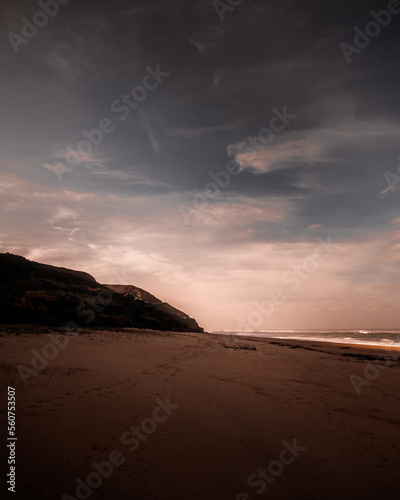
(162,416)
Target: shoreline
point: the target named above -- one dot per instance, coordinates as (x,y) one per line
(256,338)
(34,329)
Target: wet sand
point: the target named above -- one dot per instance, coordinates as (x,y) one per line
(179,416)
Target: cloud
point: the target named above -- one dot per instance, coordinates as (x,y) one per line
(280,157)
(221,269)
(309,153)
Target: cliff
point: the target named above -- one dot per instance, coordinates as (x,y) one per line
(54,296)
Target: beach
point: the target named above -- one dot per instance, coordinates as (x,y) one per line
(134,414)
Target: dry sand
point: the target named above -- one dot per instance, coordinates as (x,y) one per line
(236,408)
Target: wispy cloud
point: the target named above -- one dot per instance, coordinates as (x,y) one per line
(192,133)
(280,157)
(299,148)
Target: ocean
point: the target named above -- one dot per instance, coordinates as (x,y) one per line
(385,338)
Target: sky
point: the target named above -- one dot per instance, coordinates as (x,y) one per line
(239,160)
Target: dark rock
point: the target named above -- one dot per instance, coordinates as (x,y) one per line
(54,296)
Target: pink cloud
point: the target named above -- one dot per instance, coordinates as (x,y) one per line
(279,156)
(213,271)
